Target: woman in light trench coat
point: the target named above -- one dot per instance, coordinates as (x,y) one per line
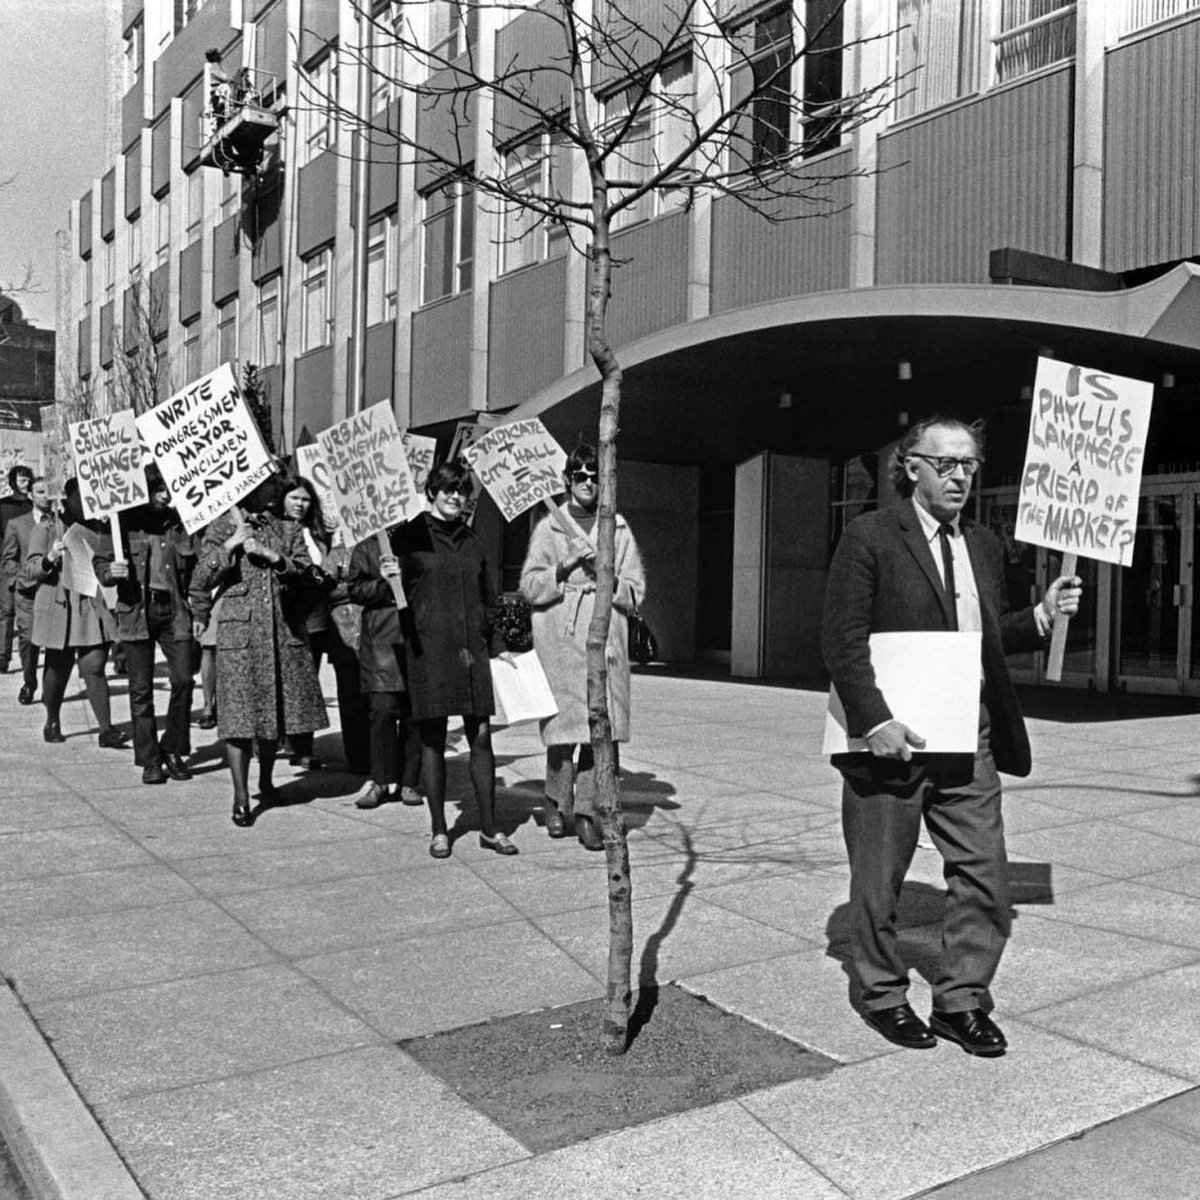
(559,581)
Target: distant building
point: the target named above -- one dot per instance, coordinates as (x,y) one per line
(26,384)
(1032,190)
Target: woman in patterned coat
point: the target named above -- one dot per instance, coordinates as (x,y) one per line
(267,686)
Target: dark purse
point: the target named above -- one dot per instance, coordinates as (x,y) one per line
(643,645)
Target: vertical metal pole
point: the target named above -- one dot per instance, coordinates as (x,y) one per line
(360,151)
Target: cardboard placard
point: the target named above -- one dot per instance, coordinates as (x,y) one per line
(369,475)
(420,452)
(519,464)
(1083,462)
(207,446)
(311,465)
(108,464)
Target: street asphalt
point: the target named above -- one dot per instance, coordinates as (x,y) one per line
(199,1011)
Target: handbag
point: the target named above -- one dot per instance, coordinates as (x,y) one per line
(643,645)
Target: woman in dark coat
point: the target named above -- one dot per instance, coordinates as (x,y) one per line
(394,738)
(266,684)
(449,637)
(299,503)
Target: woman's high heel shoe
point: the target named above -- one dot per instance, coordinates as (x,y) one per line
(241,813)
(53,732)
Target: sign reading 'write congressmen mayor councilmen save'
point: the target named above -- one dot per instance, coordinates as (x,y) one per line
(369,475)
(520,464)
(207,447)
(108,463)
(1083,463)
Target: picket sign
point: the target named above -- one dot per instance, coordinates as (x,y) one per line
(1083,471)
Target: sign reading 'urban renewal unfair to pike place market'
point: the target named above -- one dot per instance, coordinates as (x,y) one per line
(207,447)
(1083,462)
(108,463)
(369,475)
(520,464)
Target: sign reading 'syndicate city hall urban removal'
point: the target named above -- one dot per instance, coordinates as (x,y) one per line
(1083,463)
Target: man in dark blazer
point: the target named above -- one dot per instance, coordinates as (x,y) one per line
(915,566)
(13,550)
(15,504)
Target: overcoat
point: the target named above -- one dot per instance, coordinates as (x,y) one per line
(381,640)
(62,619)
(266,683)
(562,612)
(139,527)
(450,631)
(882,579)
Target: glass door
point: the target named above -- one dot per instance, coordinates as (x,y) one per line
(1156,622)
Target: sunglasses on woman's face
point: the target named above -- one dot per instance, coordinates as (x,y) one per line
(583,476)
(456,489)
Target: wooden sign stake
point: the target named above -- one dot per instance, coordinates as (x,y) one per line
(114,527)
(1058,639)
(385,547)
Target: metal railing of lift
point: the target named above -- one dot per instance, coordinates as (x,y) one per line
(1038,42)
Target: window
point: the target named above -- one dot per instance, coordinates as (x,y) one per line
(162,228)
(110,268)
(85,284)
(227,332)
(185,11)
(195,203)
(453,25)
(134,243)
(949,48)
(135,54)
(162,372)
(539,166)
(767,44)
(191,351)
(658,133)
(315,288)
(231,194)
(318,94)
(385,57)
(823,76)
(448,241)
(108,389)
(381,270)
(268,322)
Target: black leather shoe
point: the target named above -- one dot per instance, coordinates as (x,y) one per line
(52,732)
(902,1027)
(207,720)
(176,767)
(973,1030)
(25,695)
(589,836)
(154,772)
(242,816)
(111,738)
(556,827)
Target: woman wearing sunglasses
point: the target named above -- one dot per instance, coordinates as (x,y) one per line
(450,635)
(559,581)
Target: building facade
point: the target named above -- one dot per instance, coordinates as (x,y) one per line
(1031,189)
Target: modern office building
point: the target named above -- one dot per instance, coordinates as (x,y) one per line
(1032,190)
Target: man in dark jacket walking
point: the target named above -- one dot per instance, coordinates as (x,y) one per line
(152,607)
(15,504)
(916,566)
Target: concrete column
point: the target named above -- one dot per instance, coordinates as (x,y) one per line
(711,87)
(575,317)
(486,162)
(867,64)
(1094,21)
(781,529)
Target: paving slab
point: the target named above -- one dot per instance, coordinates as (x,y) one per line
(1107,847)
(36,853)
(368,1124)
(87,892)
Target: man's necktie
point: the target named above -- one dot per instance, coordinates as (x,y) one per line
(945,533)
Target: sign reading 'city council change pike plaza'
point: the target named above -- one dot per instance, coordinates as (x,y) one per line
(108,463)
(520,464)
(369,475)
(207,447)
(1083,462)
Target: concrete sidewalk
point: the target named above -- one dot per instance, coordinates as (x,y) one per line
(227,1001)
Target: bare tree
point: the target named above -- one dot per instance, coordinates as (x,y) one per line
(141,375)
(636,102)
(26,282)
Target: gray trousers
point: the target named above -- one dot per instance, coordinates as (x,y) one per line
(572,786)
(959,800)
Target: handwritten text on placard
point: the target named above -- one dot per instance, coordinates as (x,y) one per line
(520,464)
(108,463)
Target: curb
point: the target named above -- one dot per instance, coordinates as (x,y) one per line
(58,1147)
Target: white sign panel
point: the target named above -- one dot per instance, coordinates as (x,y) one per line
(207,447)
(369,476)
(520,464)
(1083,462)
(108,464)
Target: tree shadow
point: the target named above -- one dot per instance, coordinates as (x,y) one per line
(648,985)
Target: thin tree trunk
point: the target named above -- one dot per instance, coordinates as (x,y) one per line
(618,995)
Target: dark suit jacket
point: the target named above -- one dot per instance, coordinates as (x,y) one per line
(883,579)
(13,552)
